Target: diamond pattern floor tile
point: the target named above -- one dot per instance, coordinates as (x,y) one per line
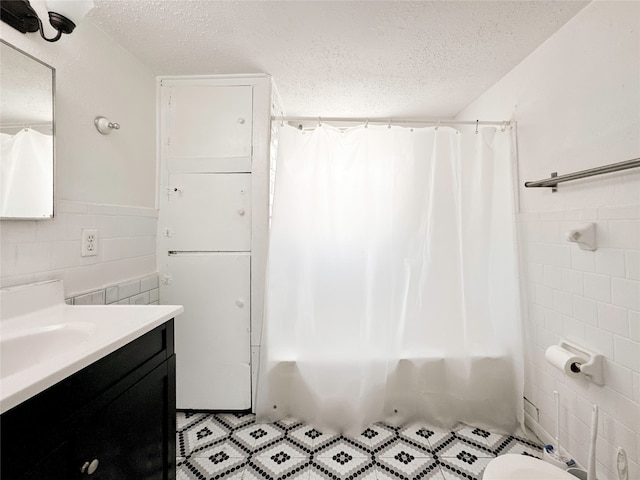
(235,447)
(199,434)
(368,472)
(279,461)
(406,465)
(342,466)
(301,472)
(519,446)
(465,467)
(304,435)
(417,433)
(480,437)
(184,419)
(380,436)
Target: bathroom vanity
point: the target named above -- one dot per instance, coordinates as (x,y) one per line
(113,417)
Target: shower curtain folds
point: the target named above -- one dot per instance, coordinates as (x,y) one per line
(391,281)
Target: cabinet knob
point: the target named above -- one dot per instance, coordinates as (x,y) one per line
(241,212)
(240,120)
(90,467)
(240,303)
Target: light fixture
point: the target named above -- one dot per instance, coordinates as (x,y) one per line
(62,14)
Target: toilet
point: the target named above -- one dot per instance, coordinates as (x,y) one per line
(523,467)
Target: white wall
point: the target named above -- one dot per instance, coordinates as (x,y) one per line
(108,182)
(577,103)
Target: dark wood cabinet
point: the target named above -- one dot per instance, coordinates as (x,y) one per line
(115,419)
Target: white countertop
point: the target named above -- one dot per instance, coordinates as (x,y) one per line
(43,346)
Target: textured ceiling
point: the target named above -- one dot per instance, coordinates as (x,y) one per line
(342,58)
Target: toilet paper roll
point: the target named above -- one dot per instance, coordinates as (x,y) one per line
(563,359)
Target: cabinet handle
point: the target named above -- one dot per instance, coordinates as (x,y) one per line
(90,467)
(241,212)
(240,120)
(240,303)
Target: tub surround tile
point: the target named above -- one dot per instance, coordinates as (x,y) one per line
(603,315)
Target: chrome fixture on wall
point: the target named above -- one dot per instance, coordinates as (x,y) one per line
(62,14)
(104,126)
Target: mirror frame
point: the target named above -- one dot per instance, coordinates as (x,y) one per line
(53,132)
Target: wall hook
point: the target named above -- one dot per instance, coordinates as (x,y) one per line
(104,126)
(584,235)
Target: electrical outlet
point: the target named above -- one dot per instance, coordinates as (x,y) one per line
(89,242)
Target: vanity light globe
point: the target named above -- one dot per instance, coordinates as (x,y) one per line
(74,10)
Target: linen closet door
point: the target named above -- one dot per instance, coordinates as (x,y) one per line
(212,342)
(207,242)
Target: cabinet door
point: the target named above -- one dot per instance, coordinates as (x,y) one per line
(212,336)
(129,437)
(55,466)
(206,123)
(209,212)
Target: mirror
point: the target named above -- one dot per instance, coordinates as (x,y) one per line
(26,135)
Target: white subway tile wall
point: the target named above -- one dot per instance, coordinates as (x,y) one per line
(140,291)
(592,298)
(39,250)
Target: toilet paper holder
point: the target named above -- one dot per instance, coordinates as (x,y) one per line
(592,366)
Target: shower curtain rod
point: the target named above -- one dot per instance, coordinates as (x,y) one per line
(392,121)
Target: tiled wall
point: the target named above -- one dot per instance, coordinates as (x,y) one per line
(39,250)
(591,298)
(140,291)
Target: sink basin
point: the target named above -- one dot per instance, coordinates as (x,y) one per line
(20,351)
(43,340)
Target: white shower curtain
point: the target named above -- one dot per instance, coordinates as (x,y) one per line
(26,174)
(392,287)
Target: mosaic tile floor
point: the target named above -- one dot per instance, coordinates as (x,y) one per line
(235,447)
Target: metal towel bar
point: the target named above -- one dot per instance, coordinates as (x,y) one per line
(554,180)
